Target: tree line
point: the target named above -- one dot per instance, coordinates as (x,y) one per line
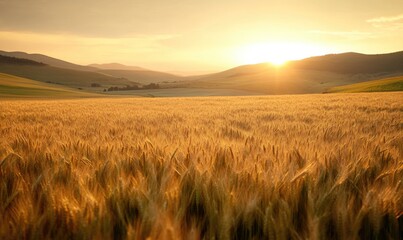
(132,87)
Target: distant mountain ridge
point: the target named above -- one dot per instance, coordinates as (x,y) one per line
(142,76)
(122,73)
(117,66)
(347,63)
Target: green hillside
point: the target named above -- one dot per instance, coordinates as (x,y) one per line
(66,77)
(381,85)
(61,72)
(12,86)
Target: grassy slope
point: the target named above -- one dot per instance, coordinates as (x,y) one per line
(134,74)
(183,92)
(268,80)
(142,76)
(353,63)
(12,86)
(67,77)
(381,85)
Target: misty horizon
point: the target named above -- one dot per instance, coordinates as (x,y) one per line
(198,37)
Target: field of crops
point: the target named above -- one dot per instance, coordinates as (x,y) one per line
(273,167)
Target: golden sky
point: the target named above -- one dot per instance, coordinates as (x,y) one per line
(193,36)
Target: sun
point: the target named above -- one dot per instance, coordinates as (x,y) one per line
(276,54)
(277,62)
(260,53)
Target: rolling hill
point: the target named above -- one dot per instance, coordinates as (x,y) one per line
(311,75)
(67,77)
(47,60)
(353,63)
(19,61)
(381,85)
(125,75)
(143,76)
(12,86)
(272,81)
(136,74)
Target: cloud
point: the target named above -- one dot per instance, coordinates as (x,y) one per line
(139,41)
(391,23)
(386,19)
(345,34)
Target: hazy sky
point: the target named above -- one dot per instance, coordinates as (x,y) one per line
(195,35)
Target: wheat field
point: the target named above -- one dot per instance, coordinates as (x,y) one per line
(262,167)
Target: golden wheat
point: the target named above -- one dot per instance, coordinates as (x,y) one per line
(278,167)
